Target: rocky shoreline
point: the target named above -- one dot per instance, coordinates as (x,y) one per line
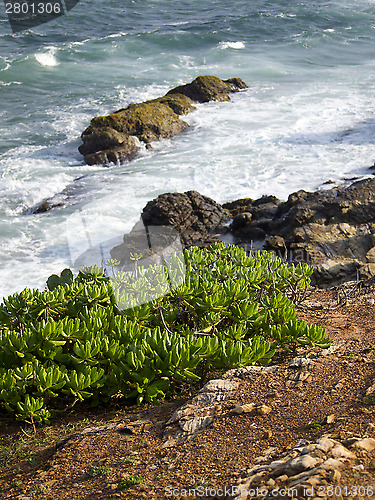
(332,230)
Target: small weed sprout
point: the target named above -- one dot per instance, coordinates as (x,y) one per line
(129,481)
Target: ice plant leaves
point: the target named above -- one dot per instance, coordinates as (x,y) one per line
(73,342)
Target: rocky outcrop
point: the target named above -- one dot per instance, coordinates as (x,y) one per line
(303,469)
(199,413)
(252,219)
(209,88)
(171,221)
(117,136)
(333,230)
(192,214)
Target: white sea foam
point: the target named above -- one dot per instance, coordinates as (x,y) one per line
(285,16)
(7,84)
(47,58)
(231,45)
(5,63)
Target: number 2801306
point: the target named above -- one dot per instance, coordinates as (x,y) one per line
(32,8)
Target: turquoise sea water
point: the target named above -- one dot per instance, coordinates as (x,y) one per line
(307,117)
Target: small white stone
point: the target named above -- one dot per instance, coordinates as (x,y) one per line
(330,419)
(359,468)
(246,408)
(325,444)
(339,451)
(263,410)
(367,444)
(332,464)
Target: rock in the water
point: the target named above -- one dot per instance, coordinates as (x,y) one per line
(124,151)
(115,137)
(209,88)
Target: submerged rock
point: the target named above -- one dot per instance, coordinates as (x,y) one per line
(116,137)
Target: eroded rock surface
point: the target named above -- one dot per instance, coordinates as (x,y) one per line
(191,213)
(199,413)
(303,469)
(333,230)
(190,217)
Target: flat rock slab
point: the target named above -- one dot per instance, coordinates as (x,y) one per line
(199,413)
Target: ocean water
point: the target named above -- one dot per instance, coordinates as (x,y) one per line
(307,117)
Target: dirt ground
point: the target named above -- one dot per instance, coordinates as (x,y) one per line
(129,462)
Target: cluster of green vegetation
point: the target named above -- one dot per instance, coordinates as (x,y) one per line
(74,342)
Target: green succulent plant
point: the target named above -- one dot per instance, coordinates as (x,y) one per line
(75,342)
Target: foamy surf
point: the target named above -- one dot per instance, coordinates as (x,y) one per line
(48,58)
(231,45)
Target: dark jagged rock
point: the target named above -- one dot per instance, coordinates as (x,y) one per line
(241,221)
(106,138)
(121,153)
(334,230)
(252,218)
(264,207)
(171,221)
(44,206)
(113,138)
(238,206)
(275,243)
(192,214)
